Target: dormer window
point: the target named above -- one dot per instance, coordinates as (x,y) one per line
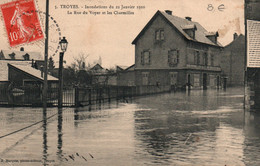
(26,57)
(159,35)
(12,56)
(190,30)
(212,36)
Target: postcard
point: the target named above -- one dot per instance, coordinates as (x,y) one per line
(137,82)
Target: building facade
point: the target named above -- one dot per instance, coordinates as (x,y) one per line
(176,52)
(233,61)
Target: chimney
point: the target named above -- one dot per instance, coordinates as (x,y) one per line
(188,18)
(168,12)
(235,36)
(21,49)
(33,63)
(41,68)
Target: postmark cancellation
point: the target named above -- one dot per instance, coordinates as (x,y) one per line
(22,23)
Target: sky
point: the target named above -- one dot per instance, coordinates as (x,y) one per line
(110,36)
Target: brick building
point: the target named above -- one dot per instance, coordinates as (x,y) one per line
(173,51)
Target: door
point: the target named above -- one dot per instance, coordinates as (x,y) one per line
(173,78)
(188,82)
(145,78)
(205,81)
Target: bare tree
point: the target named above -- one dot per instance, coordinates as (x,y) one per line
(79,62)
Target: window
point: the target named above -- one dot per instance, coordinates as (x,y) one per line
(212,60)
(205,59)
(173,78)
(196,80)
(197,58)
(26,57)
(159,35)
(146,58)
(173,57)
(145,76)
(12,56)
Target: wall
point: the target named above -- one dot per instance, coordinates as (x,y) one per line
(159,50)
(233,61)
(252,89)
(126,78)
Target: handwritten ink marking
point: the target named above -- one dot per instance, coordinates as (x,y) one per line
(210,7)
(221,7)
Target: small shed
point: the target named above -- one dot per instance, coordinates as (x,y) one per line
(21,75)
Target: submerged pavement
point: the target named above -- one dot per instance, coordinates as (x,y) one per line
(197,128)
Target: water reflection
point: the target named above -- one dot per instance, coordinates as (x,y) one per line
(252,138)
(76,117)
(60,134)
(45,146)
(191,128)
(195,128)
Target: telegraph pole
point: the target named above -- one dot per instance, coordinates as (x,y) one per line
(45,83)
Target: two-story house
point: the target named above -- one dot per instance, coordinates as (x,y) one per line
(173,51)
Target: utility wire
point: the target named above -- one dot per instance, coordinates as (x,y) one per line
(26,127)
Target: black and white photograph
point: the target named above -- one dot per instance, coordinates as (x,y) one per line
(129,82)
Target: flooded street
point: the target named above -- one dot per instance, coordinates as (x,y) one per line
(197,128)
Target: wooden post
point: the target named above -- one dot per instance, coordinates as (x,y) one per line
(76,99)
(89,96)
(99,95)
(108,94)
(117,97)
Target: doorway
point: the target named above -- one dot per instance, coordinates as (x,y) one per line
(205,81)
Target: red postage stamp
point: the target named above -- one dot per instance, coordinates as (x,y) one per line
(21,22)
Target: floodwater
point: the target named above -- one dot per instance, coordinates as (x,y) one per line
(197,128)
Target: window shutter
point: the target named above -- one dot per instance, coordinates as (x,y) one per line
(198,58)
(142,58)
(168,56)
(162,34)
(149,58)
(178,55)
(157,35)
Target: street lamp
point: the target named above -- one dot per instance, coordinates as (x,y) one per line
(63,45)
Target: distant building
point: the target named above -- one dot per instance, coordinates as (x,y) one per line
(102,76)
(175,52)
(97,69)
(25,75)
(126,76)
(233,61)
(24,59)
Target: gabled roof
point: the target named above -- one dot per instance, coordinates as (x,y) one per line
(212,34)
(4,67)
(189,26)
(19,55)
(179,24)
(32,71)
(120,68)
(130,68)
(240,38)
(97,67)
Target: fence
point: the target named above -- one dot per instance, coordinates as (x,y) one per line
(75,96)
